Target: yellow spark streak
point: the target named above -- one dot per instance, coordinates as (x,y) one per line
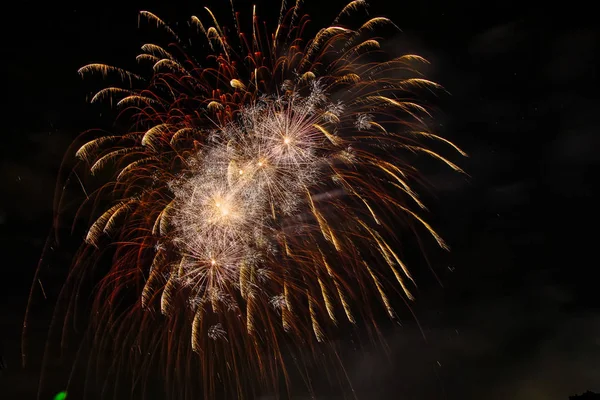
(255,79)
(250,314)
(218,32)
(147,291)
(213,294)
(147,57)
(212,32)
(136,99)
(237,84)
(386,251)
(250,303)
(156,226)
(281,10)
(345,304)
(436,137)
(317,41)
(375,124)
(419,82)
(286,309)
(294,15)
(352,6)
(196,333)
(197,21)
(254,41)
(285,246)
(132,166)
(407,188)
(436,155)
(170,65)
(157,51)
(286,319)
(42,287)
(164,218)
(327,299)
(433,233)
(369,208)
(323,225)
(85,151)
(326,264)
(412,57)
(180,270)
(214,106)
(402,265)
(101,162)
(109,92)
(376,21)
(286,296)
(215,21)
(313,318)
(367,43)
(334,240)
(110,224)
(159,22)
(336,141)
(154,134)
(180,132)
(166,299)
(382,294)
(404,105)
(308,75)
(243,279)
(106,69)
(98,226)
(349,78)
(353,191)
(340,292)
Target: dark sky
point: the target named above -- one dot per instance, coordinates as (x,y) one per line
(518,316)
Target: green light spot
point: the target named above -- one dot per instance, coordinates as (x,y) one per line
(61,396)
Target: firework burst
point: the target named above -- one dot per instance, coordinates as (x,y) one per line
(249,201)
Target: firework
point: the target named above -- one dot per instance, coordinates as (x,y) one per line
(247,206)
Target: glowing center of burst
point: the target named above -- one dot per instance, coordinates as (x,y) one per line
(260,163)
(212,262)
(241,172)
(224,210)
(286,140)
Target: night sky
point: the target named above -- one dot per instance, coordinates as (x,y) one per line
(518,314)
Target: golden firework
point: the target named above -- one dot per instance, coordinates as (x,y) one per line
(251,200)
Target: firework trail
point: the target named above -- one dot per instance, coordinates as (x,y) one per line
(247,204)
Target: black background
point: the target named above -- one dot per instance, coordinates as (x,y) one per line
(517,316)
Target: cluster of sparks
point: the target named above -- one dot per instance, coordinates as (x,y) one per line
(253,199)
